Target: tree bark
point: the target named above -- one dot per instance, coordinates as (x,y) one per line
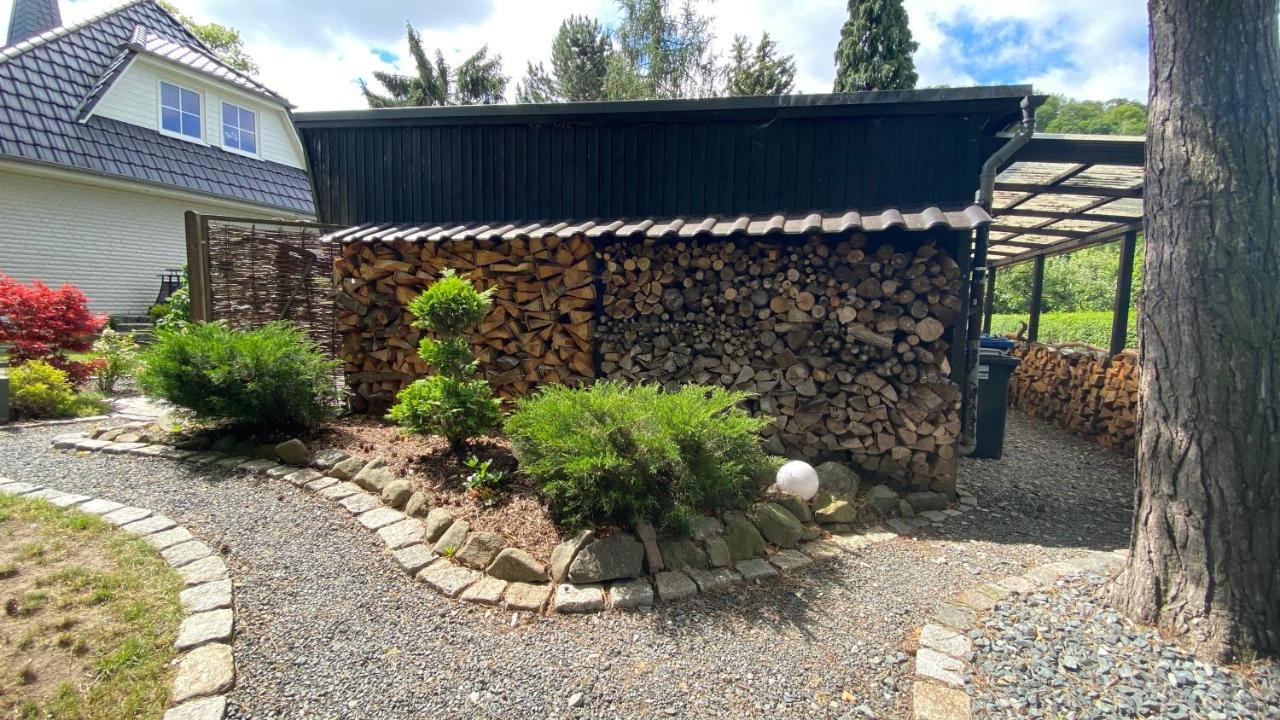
(1205,555)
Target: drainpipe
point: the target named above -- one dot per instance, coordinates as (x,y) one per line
(977,283)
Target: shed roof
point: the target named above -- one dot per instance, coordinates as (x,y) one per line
(966,219)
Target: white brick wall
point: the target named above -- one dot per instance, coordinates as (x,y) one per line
(112,243)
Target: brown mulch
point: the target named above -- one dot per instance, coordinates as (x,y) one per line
(520,515)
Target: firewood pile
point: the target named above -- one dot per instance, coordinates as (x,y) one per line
(539,330)
(843,341)
(1080,388)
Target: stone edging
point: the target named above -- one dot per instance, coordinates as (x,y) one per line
(446,556)
(942,659)
(206,669)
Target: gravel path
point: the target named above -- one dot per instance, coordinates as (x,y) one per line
(329,627)
(1066,654)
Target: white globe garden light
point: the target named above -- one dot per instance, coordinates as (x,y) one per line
(798,478)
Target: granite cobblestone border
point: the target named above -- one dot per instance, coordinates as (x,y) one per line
(477,567)
(945,649)
(206,668)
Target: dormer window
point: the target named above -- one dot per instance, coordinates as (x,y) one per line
(239,129)
(179,111)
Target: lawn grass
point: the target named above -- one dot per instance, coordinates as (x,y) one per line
(90,615)
(1093,328)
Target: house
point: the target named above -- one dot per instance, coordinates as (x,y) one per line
(813,251)
(110,129)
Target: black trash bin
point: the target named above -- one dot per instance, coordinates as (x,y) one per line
(994,369)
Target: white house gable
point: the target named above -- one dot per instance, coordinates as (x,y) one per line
(230,119)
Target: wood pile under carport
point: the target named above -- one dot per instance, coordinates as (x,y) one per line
(1082,389)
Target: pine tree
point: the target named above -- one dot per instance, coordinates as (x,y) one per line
(477,81)
(661,53)
(759,70)
(579,63)
(875,48)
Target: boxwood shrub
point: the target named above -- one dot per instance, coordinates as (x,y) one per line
(613,454)
(271,377)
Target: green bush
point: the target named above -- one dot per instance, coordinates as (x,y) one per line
(1093,328)
(274,376)
(40,390)
(448,404)
(117,354)
(175,312)
(616,454)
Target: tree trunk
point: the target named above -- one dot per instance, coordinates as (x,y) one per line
(1205,555)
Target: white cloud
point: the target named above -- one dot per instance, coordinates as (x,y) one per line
(314,51)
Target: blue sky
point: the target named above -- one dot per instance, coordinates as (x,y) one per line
(314,51)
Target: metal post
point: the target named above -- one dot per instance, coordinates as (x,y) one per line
(1124,286)
(1037,296)
(197,268)
(991,299)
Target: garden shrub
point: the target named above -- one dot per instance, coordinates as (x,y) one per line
(117,356)
(40,390)
(175,312)
(617,454)
(40,323)
(274,376)
(451,403)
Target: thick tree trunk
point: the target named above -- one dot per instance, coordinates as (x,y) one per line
(1205,558)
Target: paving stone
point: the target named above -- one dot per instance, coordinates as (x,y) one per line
(207,670)
(821,549)
(972,598)
(66,442)
(173,453)
(479,550)
(126,515)
(70,500)
(571,598)
(24,488)
(209,708)
(98,506)
(899,526)
(328,457)
(715,579)
(618,556)
(414,557)
(339,491)
(526,596)
(934,516)
(1018,584)
(280,471)
(933,701)
(375,476)
(955,616)
(92,445)
(628,595)
(756,569)
(147,526)
(361,503)
(167,538)
(934,665)
(259,465)
(205,627)
(675,585)
(152,450)
(121,448)
(231,461)
(186,553)
(1048,573)
(46,494)
(400,534)
(448,578)
(322,483)
(789,560)
(203,570)
(347,469)
(302,477)
(213,595)
(945,640)
(452,538)
(294,452)
(380,517)
(203,458)
(485,591)
(517,565)
(918,522)
(437,522)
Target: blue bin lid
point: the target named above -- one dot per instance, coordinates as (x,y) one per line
(996,343)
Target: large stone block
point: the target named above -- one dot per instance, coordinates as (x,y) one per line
(618,556)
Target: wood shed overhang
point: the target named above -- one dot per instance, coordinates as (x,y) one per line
(964,219)
(1066,192)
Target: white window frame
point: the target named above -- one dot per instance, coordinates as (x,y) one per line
(257,130)
(160,83)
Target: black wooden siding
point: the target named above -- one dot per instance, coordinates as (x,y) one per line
(622,166)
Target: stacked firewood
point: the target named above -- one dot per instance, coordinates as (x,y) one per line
(1080,388)
(539,330)
(843,344)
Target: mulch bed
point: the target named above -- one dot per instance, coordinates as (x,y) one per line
(520,514)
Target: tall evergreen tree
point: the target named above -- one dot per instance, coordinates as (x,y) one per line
(759,70)
(579,63)
(477,81)
(662,53)
(875,48)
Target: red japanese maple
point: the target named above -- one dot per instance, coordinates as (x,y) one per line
(40,323)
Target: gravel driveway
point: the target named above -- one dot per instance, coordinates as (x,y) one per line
(329,627)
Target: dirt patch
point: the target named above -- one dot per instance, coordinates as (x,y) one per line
(88,620)
(520,514)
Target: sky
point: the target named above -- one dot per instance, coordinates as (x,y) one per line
(314,51)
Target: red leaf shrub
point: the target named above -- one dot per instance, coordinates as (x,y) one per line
(40,323)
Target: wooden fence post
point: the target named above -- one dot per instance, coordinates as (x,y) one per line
(197,267)
(1037,298)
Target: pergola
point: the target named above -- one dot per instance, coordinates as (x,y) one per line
(1062,193)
